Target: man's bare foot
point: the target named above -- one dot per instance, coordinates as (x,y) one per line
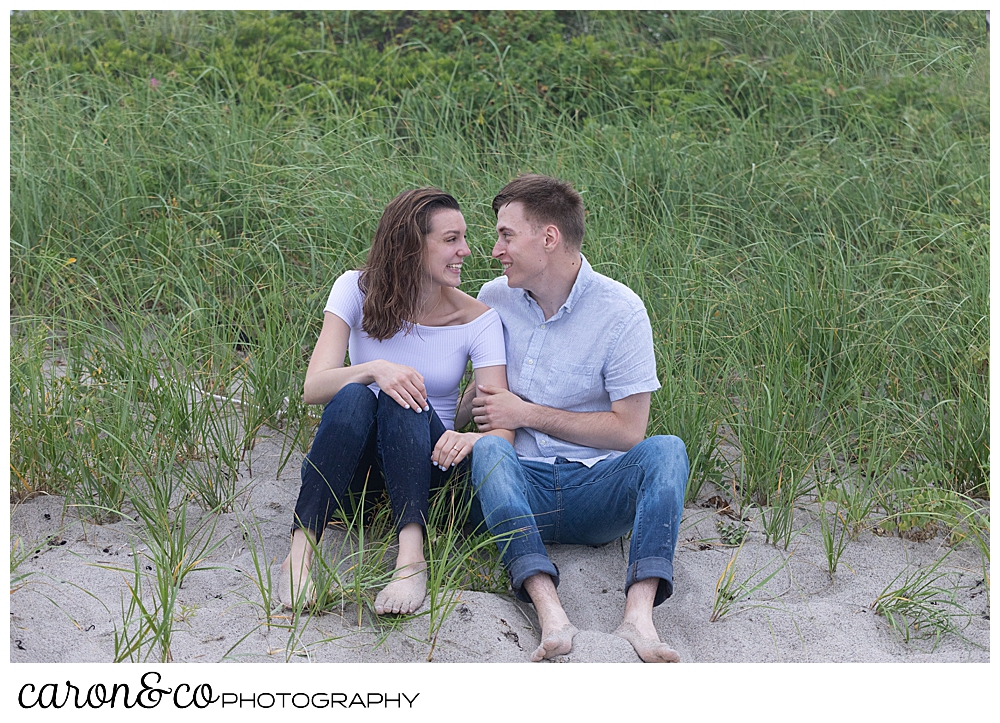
(295,585)
(555,642)
(647,644)
(557,630)
(405,594)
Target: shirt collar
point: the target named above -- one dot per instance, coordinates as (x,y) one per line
(583,279)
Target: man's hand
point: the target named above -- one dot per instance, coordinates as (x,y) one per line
(621,428)
(497,408)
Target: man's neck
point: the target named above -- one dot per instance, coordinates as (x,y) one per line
(555,287)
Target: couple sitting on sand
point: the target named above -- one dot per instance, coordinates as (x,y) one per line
(563,370)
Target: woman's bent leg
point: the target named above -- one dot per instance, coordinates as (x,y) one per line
(405,441)
(344,444)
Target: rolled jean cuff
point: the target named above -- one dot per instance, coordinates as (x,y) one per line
(653,567)
(527,565)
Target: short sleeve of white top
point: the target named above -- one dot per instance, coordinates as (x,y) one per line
(439,353)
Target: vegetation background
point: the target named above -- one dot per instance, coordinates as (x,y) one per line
(801,199)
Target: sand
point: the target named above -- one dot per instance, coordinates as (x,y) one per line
(68,606)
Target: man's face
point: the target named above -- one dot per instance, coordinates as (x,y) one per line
(519,247)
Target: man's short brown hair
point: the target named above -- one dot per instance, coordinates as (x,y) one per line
(546,200)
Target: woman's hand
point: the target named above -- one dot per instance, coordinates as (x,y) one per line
(402,383)
(452,447)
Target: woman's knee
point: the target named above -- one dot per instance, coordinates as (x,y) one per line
(389,408)
(351,412)
(352,400)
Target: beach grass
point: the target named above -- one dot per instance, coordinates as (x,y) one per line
(921,605)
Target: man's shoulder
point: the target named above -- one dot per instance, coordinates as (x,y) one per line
(496,292)
(607,295)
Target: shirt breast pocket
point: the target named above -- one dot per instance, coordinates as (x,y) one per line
(571,384)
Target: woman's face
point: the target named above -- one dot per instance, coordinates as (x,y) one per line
(445,248)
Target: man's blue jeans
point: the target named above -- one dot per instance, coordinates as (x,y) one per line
(528,503)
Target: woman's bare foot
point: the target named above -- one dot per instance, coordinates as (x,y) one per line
(295,585)
(555,642)
(647,644)
(405,594)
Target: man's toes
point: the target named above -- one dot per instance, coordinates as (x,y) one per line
(669,655)
(648,647)
(548,649)
(558,643)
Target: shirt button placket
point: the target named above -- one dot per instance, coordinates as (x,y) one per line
(534,348)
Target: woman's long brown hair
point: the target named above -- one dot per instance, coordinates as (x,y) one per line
(390,278)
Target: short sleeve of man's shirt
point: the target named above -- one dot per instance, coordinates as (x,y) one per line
(631,365)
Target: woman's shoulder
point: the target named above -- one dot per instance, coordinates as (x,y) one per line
(348,282)
(469,308)
(345,298)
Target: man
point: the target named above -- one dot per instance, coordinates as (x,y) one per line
(580,368)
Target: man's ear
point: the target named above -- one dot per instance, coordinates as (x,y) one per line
(553,237)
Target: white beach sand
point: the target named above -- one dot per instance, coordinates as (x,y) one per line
(69,606)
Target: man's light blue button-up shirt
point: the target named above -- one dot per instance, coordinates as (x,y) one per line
(596,349)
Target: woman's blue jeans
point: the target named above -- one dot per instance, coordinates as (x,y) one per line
(367,442)
(528,503)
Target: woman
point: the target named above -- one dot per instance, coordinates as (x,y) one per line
(410,333)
